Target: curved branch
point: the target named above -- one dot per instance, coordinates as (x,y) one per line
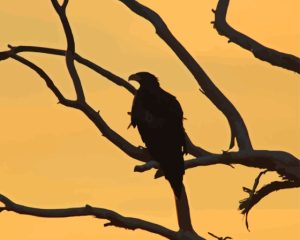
(193,149)
(237,125)
(247,204)
(285,164)
(70,53)
(138,153)
(53,51)
(115,219)
(276,58)
(50,84)
(219,238)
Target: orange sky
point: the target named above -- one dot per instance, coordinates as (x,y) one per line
(54,157)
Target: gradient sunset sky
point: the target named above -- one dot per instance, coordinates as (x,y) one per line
(54,157)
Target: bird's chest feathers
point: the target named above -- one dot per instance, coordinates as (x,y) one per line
(147,108)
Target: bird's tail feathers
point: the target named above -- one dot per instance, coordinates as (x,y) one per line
(177,186)
(175,177)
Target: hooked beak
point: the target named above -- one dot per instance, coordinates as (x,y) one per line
(134,77)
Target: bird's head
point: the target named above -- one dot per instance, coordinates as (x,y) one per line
(145,79)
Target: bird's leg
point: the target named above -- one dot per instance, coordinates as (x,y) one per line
(183,212)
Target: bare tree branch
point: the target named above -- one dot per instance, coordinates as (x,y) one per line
(276,58)
(251,193)
(104,72)
(219,238)
(138,153)
(285,164)
(237,125)
(50,84)
(70,53)
(146,166)
(255,196)
(193,149)
(115,219)
(65,4)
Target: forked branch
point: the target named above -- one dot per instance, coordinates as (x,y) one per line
(255,196)
(54,51)
(276,58)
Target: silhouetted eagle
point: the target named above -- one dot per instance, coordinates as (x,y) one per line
(158,117)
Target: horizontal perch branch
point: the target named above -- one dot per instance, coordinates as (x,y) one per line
(114,218)
(285,164)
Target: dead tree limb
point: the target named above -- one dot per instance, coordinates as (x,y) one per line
(219,238)
(53,51)
(255,196)
(285,164)
(114,218)
(70,53)
(276,58)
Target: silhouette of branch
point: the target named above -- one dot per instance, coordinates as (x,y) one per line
(219,238)
(50,84)
(114,218)
(237,125)
(146,166)
(285,164)
(104,72)
(255,196)
(70,53)
(251,192)
(193,149)
(276,58)
(65,4)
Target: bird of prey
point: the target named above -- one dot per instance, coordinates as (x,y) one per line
(159,118)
